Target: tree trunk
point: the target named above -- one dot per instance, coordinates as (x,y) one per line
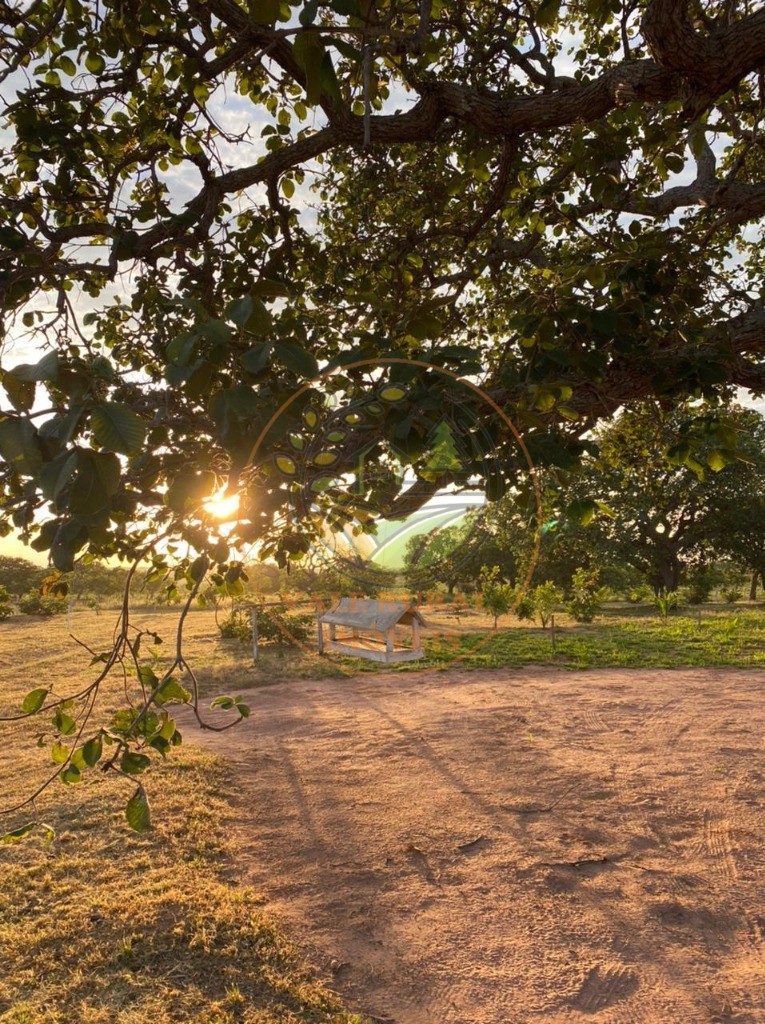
(753,586)
(665,575)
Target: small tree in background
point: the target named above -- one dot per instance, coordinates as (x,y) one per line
(6,609)
(584,603)
(546,598)
(496,595)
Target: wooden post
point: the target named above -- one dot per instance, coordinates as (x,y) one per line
(552,632)
(254,621)
(416,646)
(320,635)
(389,641)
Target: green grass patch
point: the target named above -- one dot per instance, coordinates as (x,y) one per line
(736,640)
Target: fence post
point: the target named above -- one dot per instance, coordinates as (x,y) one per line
(552,631)
(254,621)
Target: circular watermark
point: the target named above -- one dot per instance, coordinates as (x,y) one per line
(380,461)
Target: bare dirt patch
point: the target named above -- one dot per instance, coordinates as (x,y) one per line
(486,847)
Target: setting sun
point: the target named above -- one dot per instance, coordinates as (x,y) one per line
(221,505)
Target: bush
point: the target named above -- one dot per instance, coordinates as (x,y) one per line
(524,608)
(700,582)
(546,598)
(584,603)
(666,601)
(34,603)
(276,626)
(6,609)
(731,596)
(236,626)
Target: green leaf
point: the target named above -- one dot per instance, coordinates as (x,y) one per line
(133,763)
(424,325)
(296,359)
(581,511)
(64,723)
(117,428)
(59,752)
(45,370)
(19,446)
(716,460)
(260,320)
(216,330)
(268,288)
(596,276)
(71,775)
(266,12)
(547,13)
(240,310)
(34,700)
(137,811)
(96,481)
(255,359)
(224,703)
(92,750)
(171,690)
(95,63)
(17,834)
(308,13)
(309,53)
(21,393)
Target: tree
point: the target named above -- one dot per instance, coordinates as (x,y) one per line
(651,504)
(736,524)
(405,191)
(497,596)
(477,210)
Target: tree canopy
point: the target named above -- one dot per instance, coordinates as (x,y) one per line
(204,204)
(646,507)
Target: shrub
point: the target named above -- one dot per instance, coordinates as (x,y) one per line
(275,626)
(584,603)
(546,598)
(700,582)
(665,601)
(34,603)
(524,608)
(236,626)
(731,596)
(6,609)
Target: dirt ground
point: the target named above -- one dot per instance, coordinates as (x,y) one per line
(515,846)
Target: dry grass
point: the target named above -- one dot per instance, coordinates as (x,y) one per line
(98,924)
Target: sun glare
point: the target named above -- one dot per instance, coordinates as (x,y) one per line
(221,505)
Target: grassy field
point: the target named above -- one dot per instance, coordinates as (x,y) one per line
(98,924)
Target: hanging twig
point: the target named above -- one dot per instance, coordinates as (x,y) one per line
(367,95)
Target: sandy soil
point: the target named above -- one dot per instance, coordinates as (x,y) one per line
(477,848)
